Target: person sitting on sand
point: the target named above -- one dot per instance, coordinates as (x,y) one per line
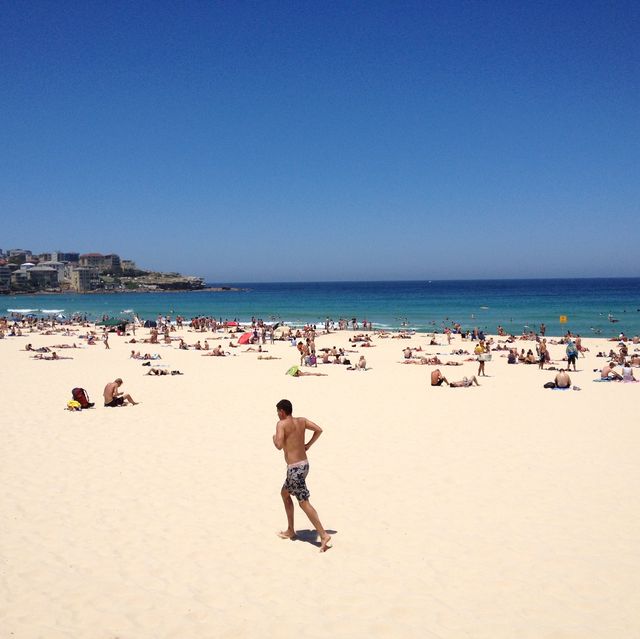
(607,372)
(437,378)
(113,397)
(465,382)
(362,364)
(562,379)
(627,373)
(295,371)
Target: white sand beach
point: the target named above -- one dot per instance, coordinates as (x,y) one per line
(494,512)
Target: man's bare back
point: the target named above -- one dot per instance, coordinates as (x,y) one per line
(110,391)
(293,430)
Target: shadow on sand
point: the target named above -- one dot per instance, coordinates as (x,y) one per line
(311,536)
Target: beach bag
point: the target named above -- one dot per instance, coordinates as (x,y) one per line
(81,396)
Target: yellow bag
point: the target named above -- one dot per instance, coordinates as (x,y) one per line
(73,405)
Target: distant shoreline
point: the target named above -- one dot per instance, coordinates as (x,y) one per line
(212,289)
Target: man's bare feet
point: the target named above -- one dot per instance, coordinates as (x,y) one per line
(286,534)
(324,543)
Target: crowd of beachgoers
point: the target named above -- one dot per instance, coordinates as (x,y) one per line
(223,338)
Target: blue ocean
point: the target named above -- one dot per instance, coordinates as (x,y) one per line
(591,307)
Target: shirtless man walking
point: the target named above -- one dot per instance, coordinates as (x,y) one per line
(289,436)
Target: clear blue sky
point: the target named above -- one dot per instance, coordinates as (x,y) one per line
(286,141)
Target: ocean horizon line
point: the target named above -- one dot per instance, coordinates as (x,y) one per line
(422,280)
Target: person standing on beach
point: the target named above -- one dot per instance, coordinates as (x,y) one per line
(289,436)
(572,354)
(480,351)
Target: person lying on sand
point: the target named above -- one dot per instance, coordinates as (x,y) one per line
(295,371)
(465,382)
(216,352)
(146,356)
(430,361)
(53,356)
(268,357)
(162,371)
(42,349)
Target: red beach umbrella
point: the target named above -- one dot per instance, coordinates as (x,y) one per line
(245,338)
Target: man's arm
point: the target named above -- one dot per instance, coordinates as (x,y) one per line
(278,438)
(317,431)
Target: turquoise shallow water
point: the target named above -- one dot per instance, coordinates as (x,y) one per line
(515,304)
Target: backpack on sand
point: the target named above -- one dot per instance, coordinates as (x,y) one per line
(81,396)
